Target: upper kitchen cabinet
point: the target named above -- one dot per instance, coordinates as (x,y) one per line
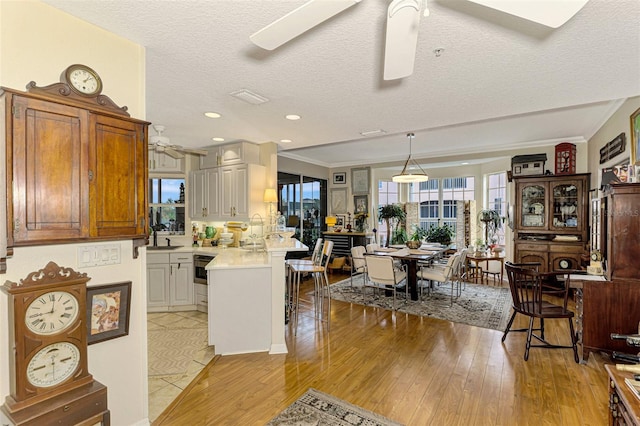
(160,162)
(76,168)
(231,154)
(241,191)
(203,198)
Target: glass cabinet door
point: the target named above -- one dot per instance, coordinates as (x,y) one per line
(533,206)
(566,206)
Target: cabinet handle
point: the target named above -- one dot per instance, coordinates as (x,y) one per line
(16,225)
(90,175)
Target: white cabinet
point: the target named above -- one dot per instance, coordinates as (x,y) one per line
(229,154)
(241,191)
(159,162)
(203,194)
(169,282)
(202,298)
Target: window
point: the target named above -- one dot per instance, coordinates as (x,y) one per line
(166,205)
(387,194)
(497,198)
(438,199)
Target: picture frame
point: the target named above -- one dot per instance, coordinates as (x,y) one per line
(340,178)
(108,311)
(338,201)
(360,180)
(341,220)
(635,138)
(360,204)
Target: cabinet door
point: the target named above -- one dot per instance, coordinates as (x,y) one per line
(118,193)
(50,181)
(227,192)
(241,189)
(532,205)
(181,284)
(198,190)
(159,162)
(567,206)
(157,285)
(564,261)
(541,257)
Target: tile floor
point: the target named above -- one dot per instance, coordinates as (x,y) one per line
(164,389)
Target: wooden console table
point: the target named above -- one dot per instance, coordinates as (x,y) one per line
(624,407)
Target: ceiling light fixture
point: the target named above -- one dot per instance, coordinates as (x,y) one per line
(292,117)
(408,175)
(217,139)
(212,114)
(286,140)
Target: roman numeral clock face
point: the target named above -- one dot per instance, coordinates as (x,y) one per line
(51,312)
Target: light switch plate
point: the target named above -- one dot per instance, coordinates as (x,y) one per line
(98,255)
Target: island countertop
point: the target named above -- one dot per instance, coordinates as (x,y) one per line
(230,258)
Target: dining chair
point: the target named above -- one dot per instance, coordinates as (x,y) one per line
(372,247)
(358,264)
(527,291)
(382,275)
(442,275)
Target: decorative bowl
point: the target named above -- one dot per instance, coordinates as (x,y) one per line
(413,244)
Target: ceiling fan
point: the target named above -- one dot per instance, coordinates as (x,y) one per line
(163,144)
(403,18)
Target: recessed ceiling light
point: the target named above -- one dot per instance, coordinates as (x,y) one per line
(464,164)
(212,114)
(292,117)
(286,140)
(218,139)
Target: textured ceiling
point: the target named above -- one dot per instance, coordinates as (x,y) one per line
(502,83)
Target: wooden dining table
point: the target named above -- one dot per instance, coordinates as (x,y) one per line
(484,257)
(411,259)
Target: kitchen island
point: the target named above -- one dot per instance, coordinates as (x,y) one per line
(246,291)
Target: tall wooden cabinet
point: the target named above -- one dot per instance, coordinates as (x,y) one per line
(75,171)
(551,220)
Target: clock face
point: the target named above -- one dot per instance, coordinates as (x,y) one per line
(596,256)
(84,80)
(51,312)
(53,364)
(564,264)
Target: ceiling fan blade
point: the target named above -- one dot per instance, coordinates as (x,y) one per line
(403,18)
(551,13)
(298,21)
(194,151)
(173,153)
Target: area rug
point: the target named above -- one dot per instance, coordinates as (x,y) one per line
(318,408)
(171,351)
(479,305)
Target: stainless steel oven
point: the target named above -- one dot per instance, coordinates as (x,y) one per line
(200,261)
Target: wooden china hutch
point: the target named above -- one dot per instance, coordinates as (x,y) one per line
(551,220)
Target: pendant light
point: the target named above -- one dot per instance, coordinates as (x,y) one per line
(411,174)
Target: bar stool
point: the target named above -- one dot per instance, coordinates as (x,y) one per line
(321,285)
(292,275)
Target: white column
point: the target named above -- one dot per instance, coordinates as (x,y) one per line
(278,286)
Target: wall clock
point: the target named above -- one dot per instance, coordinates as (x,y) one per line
(47,317)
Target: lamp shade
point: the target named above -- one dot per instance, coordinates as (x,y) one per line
(409,173)
(270,196)
(331,220)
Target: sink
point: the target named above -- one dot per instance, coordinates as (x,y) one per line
(163,247)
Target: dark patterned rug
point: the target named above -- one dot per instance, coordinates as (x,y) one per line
(479,305)
(316,408)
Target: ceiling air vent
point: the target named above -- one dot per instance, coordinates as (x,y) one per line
(249,97)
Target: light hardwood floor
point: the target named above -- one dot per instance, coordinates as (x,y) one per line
(414,370)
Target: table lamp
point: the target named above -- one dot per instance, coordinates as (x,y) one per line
(270,196)
(330,221)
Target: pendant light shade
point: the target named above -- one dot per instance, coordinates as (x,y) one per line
(411,173)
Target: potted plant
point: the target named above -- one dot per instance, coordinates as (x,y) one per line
(392,214)
(492,223)
(418,234)
(440,234)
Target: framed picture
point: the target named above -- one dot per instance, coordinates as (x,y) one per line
(108,308)
(341,220)
(360,181)
(635,138)
(361,204)
(340,178)
(338,201)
